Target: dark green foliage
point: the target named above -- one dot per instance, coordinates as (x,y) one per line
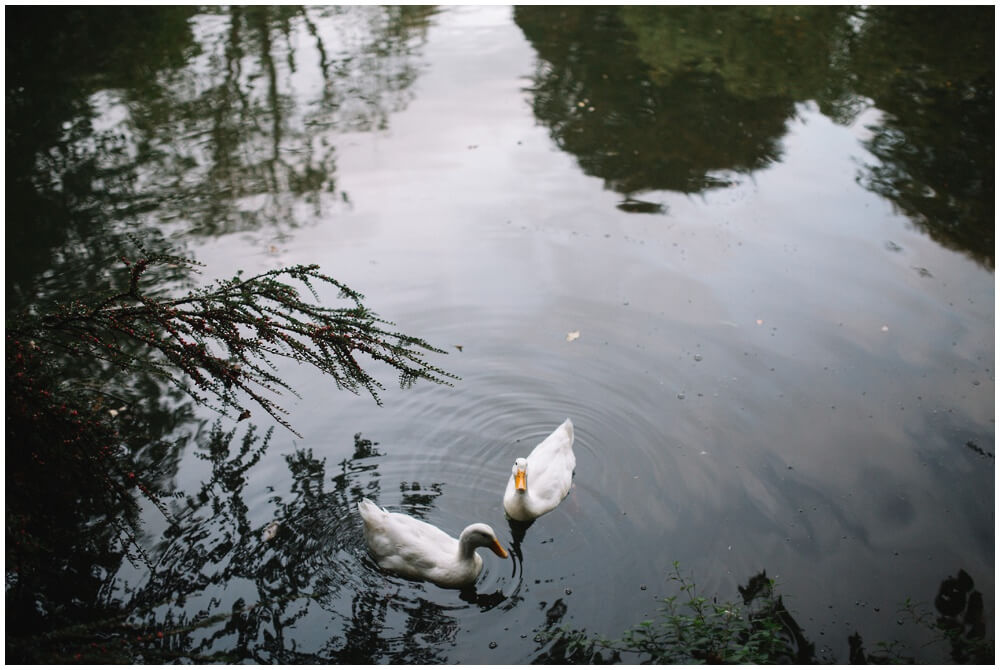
(74,483)
(219,343)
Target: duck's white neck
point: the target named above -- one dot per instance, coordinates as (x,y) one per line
(520,508)
(466,549)
(470,539)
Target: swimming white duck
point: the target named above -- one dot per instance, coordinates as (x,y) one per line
(415,549)
(539,482)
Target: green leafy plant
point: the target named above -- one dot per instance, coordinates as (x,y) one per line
(693,629)
(960,620)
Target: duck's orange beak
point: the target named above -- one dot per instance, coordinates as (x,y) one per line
(521,480)
(498,549)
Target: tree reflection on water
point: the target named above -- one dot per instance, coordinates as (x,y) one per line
(935,142)
(598,96)
(683,98)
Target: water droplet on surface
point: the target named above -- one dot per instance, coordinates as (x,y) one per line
(697,357)
(493,645)
(681,396)
(569,592)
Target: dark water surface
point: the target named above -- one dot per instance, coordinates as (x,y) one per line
(771,228)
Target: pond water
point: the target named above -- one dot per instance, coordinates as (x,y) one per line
(748,251)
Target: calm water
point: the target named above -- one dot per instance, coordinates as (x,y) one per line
(772,230)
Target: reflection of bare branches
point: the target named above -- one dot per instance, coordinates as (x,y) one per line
(324,62)
(239,136)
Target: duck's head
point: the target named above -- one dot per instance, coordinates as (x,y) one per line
(481,535)
(520,472)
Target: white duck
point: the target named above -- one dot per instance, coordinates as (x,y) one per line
(539,482)
(417,550)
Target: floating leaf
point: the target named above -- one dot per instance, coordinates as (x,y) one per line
(572,335)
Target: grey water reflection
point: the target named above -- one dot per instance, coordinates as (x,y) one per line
(686,98)
(180,126)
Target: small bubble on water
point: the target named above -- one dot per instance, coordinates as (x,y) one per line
(569,592)
(493,645)
(681,396)
(642,587)
(697,357)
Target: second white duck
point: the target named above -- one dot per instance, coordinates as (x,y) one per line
(539,482)
(417,550)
